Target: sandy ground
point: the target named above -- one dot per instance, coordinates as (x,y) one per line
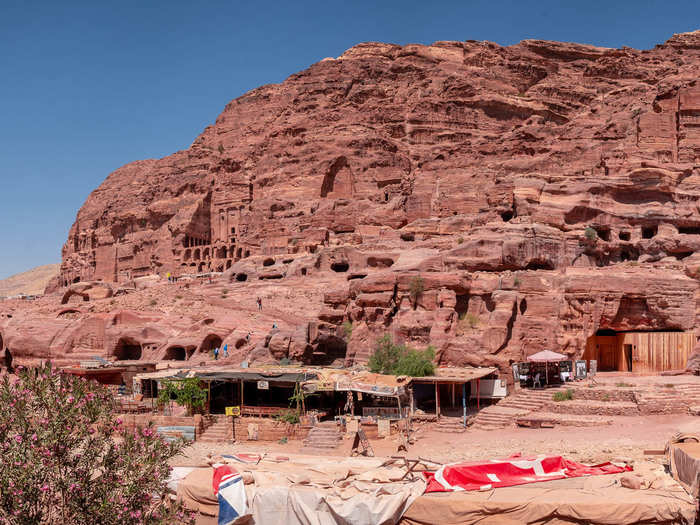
(624,440)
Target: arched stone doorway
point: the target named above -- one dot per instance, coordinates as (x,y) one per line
(210,342)
(175,353)
(127,349)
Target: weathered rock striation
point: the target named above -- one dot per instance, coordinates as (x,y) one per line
(538,192)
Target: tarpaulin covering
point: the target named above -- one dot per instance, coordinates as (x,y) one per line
(515,470)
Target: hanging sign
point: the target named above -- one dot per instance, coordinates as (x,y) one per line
(263,385)
(233,411)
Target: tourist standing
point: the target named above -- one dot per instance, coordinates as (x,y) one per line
(259,303)
(226,350)
(216,353)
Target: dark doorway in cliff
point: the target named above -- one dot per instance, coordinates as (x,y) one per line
(210,342)
(127,350)
(624,236)
(175,353)
(241,277)
(507,215)
(340,267)
(462,305)
(649,231)
(689,230)
(523,306)
(269,261)
(328,351)
(539,264)
(8,360)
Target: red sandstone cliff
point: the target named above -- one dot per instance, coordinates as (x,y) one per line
(542,191)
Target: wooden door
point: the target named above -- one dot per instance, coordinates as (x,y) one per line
(606,356)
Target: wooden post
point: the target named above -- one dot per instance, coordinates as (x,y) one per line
(208,397)
(241,390)
(464,404)
(437,400)
(411,401)
(452,385)
(478,382)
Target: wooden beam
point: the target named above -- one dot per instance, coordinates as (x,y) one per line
(437,400)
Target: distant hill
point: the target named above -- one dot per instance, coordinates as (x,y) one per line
(31,282)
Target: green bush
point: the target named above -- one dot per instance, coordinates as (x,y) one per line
(622,384)
(460,240)
(288,416)
(590,234)
(186,392)
(67,457)
(393,359)
(516,281)
(563,396)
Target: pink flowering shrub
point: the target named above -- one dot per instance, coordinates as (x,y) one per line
(65,457)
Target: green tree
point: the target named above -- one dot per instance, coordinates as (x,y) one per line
(590,233)
(393,359)
(186,392)
(66,458)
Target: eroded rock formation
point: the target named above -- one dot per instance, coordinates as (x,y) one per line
(539,192)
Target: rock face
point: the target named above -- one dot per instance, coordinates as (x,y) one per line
(536,193)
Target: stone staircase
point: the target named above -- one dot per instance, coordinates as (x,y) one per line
(219,432)
(509,409)
(323,436)
(661,400)
(451,425)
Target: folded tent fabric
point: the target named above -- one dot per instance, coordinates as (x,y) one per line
(230,491)
(515,470)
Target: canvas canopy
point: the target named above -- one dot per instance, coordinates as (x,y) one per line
(547,356)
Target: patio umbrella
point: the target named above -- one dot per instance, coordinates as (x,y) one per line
(547,356)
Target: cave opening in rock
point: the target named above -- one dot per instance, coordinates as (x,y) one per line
(539,264)
(127,350)
(523,306)
(603,232)
(408,237)
(649,232)
(340,267)
(507,215)
(8,359)
(175,353)
(303,271)
(210,342)
(241,277)
(624,236)
(269,261)
(462,305)
(689,230)
(329,350)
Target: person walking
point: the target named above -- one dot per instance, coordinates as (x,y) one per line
(216,353)
(259,303)
(226,350)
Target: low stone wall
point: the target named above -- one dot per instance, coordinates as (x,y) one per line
(268,429)
(142,420)
(593,408)
(605,394)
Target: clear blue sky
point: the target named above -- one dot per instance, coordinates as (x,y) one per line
(86,87)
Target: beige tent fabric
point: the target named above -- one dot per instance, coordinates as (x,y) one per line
(685,465)
(597,500)
(311,491)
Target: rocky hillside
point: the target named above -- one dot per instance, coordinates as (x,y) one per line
(31,282)
(490,201)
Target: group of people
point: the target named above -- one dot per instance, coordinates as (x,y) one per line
(216,352)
